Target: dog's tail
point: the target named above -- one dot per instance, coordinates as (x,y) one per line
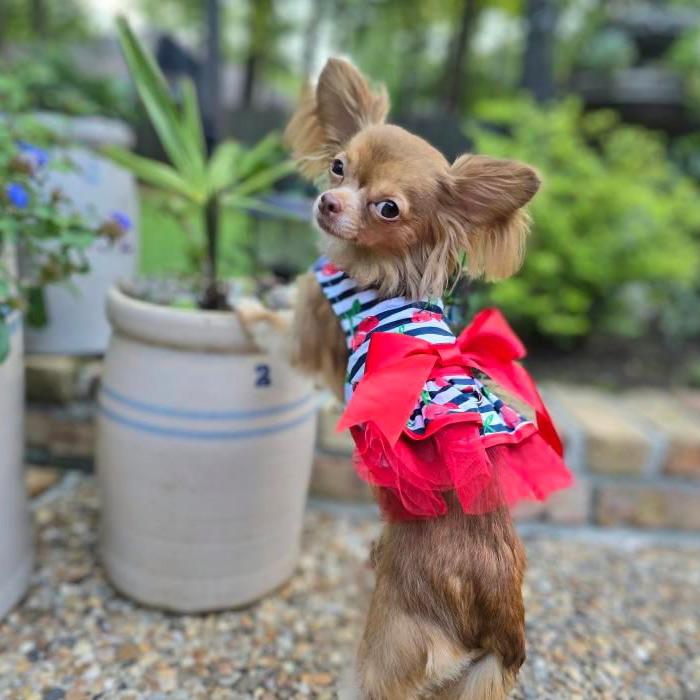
(485,679)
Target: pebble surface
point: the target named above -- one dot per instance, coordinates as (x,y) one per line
(603,621)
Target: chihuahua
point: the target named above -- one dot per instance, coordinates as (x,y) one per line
(446,620)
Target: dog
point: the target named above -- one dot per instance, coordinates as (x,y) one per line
(446,620)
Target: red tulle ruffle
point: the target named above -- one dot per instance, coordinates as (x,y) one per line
(413,475)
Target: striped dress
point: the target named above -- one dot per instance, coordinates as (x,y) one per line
(459,437)
(362,313)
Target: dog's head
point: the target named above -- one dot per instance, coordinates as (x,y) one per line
(398,215)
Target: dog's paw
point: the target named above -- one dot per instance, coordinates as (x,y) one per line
(266,328)
(250,311)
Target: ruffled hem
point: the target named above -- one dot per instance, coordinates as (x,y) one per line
(413,475)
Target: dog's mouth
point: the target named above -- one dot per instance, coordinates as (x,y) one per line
(331,226)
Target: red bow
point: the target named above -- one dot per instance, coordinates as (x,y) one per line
(398,366)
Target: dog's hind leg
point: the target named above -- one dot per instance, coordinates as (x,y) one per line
(402,657)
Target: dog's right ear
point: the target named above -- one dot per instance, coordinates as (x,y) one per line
(341,104)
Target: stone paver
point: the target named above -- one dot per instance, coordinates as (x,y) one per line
(615,442)
(679,425)
(39,479)
(605,622)
(334,477)
(651,505)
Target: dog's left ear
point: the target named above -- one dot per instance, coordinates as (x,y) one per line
(485,197)
(341,104)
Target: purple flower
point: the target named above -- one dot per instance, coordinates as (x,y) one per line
(121,220)
(17,195)
(38,155)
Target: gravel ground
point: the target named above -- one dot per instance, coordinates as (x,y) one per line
(604,621)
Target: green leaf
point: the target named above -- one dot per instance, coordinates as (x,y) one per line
(251,204)
(4,339)
(222,166)
(78,239)
(258,155)
(191,117)
(263,180)
(37,315)
(180,145)
(155,173)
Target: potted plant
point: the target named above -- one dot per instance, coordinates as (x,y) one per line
(66,101)
(53,240)
(204,444)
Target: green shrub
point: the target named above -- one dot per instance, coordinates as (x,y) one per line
(50,79)
(684,57)
(616,226)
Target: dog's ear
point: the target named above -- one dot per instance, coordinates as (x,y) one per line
(331,114)
(485,197)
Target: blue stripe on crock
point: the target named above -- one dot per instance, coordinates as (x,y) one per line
(170,412)
(206,434)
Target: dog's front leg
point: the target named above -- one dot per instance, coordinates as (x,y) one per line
(310,337)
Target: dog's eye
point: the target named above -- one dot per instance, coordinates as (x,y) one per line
(387,209)
(337,167)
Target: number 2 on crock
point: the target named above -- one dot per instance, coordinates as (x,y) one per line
(262,375)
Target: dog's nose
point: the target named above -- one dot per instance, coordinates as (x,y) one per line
(329,204)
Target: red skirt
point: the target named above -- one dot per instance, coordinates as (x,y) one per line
(484,471)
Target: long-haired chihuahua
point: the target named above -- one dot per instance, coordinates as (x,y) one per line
(446,618)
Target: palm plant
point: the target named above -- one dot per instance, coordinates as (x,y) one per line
(232,176)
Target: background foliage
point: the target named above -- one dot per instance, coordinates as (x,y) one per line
(614,249)
(617,226)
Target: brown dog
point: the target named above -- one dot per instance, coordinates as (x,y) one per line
(446,619)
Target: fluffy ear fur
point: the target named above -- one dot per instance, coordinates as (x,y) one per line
(331,114)
(484,197)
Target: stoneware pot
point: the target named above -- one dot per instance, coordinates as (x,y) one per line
(204,454)
(16,543)
(98,189)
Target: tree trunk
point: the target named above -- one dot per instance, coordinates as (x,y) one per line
(411,77)
(311,38)
(260,26)
(538,63)
(39,22)
(249,76)
(3,24)
(457,58)
(212,73)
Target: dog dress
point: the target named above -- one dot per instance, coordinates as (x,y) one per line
(424,421)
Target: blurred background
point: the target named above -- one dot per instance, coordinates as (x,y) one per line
(202,468)
(602,96)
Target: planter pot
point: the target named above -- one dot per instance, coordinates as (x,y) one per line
(16,547)
(204,455)
(97,188)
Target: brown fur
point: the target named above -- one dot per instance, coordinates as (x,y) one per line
(327,117)
(447,594)
(318,340)
(446,619)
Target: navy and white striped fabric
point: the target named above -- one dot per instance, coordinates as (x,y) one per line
(362,313)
